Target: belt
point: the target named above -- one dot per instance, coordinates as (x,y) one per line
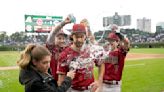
(81,88)
(113,82)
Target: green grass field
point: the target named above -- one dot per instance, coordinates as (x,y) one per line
(9,81)
(138,76)
(143,76)
(148,50)
(8,58)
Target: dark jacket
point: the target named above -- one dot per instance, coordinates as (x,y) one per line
(35,81)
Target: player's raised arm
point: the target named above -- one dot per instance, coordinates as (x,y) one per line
(51,37)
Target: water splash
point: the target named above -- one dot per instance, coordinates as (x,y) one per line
(89,53)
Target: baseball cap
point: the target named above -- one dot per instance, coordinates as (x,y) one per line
(113,36)
(61,32)
(78,28)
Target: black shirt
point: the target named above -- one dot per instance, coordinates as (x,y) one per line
(35,81)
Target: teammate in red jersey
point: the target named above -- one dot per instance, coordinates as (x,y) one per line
(56,42)
(114,64)
(80,60)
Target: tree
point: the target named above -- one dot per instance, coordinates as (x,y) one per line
(3,37)
(18,36)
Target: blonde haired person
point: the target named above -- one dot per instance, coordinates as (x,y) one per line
(34,64)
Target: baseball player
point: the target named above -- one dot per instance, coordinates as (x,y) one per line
(75,58)
(56,43)
(114,64)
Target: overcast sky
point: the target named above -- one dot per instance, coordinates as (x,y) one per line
(13,11)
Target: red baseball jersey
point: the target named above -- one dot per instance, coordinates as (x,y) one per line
(54,62)
(81,62)
(114,65)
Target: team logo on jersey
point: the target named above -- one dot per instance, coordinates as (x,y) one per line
(112,60)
